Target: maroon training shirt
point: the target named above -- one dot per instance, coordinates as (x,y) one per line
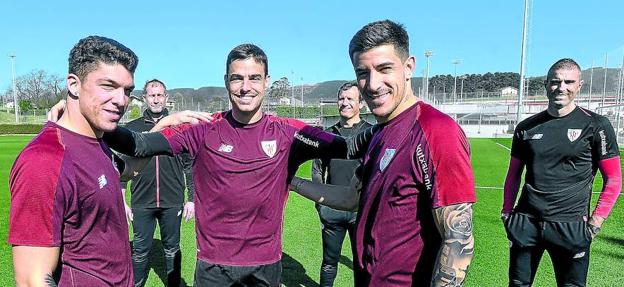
(241,174)
(416,162)
(65,193)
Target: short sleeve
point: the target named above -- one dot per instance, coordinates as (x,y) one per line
(453,180)
(41,191)
(517,146)
(186,138)
(604,144)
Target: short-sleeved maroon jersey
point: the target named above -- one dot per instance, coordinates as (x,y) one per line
(241,174)
(65,193)
(416,162)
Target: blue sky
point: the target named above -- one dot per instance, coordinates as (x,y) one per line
(185,43)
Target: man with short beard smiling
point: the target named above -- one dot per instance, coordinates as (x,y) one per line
(67,223)
(561,148)
(414,225)
(243,163)
(336,223)
(158,195)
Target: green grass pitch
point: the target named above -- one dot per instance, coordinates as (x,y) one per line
(301,240)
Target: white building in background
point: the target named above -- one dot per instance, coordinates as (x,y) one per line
(9,105)
(509,92)
(286,101)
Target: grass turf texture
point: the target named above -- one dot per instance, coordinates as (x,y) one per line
(302,243)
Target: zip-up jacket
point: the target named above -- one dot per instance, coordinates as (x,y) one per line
(162,182)
(338,171)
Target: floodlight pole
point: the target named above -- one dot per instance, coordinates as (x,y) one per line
(604,87)
(456,62)
(15,103)
(522,60)
(426,90)
(591,83)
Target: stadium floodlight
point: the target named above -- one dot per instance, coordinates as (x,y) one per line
(15,103)
(591,83)
(428,54)
(456,62)
(461,90)
(522,55)
(604,87)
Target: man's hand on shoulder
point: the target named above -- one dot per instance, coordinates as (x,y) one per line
(56,111)
(183,117)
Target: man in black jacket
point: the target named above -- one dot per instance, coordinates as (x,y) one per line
(336,223)
(158,195)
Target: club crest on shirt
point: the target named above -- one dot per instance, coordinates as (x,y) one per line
(269,147)
(387,157)
(574,134)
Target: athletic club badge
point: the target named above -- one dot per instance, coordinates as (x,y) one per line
(387,157)
(574,134)
(269,147)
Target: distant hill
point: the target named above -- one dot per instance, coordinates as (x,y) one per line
(213,98)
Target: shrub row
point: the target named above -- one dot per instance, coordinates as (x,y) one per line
(15,129)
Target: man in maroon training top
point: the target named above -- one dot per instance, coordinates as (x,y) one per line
(66,204)
(243,162)
(414,223)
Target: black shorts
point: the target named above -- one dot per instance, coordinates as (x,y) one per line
(208,274)
(567,243)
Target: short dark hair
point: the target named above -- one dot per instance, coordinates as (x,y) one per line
(86,55)
(380,33)
(247,51)
(346,86)
(565,63)
(154,81)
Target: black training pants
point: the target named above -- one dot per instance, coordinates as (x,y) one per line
(217,275)
(335,225)
(144,224)
(567,243)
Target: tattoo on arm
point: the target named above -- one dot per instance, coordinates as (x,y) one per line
(455,226)
(49,280)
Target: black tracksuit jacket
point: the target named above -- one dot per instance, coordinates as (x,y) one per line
(162,182)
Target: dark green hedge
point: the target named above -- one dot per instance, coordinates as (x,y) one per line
(13,129)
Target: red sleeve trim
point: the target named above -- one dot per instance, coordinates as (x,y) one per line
(612,185)
(453,180)
(36,213)
(512,184)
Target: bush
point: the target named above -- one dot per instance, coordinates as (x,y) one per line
(13,129)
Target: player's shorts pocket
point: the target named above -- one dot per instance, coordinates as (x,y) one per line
(522,230)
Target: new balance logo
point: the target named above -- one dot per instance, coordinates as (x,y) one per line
(102,181)
(226,148)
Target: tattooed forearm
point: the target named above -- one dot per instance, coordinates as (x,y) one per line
(49,280)
(455,225)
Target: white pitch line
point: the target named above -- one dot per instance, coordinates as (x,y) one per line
(500,188)
(504,146)
(488,187)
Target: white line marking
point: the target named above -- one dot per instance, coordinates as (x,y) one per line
(504,146)
(500,188)
(488,187)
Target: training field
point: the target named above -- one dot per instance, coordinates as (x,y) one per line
(302,247)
